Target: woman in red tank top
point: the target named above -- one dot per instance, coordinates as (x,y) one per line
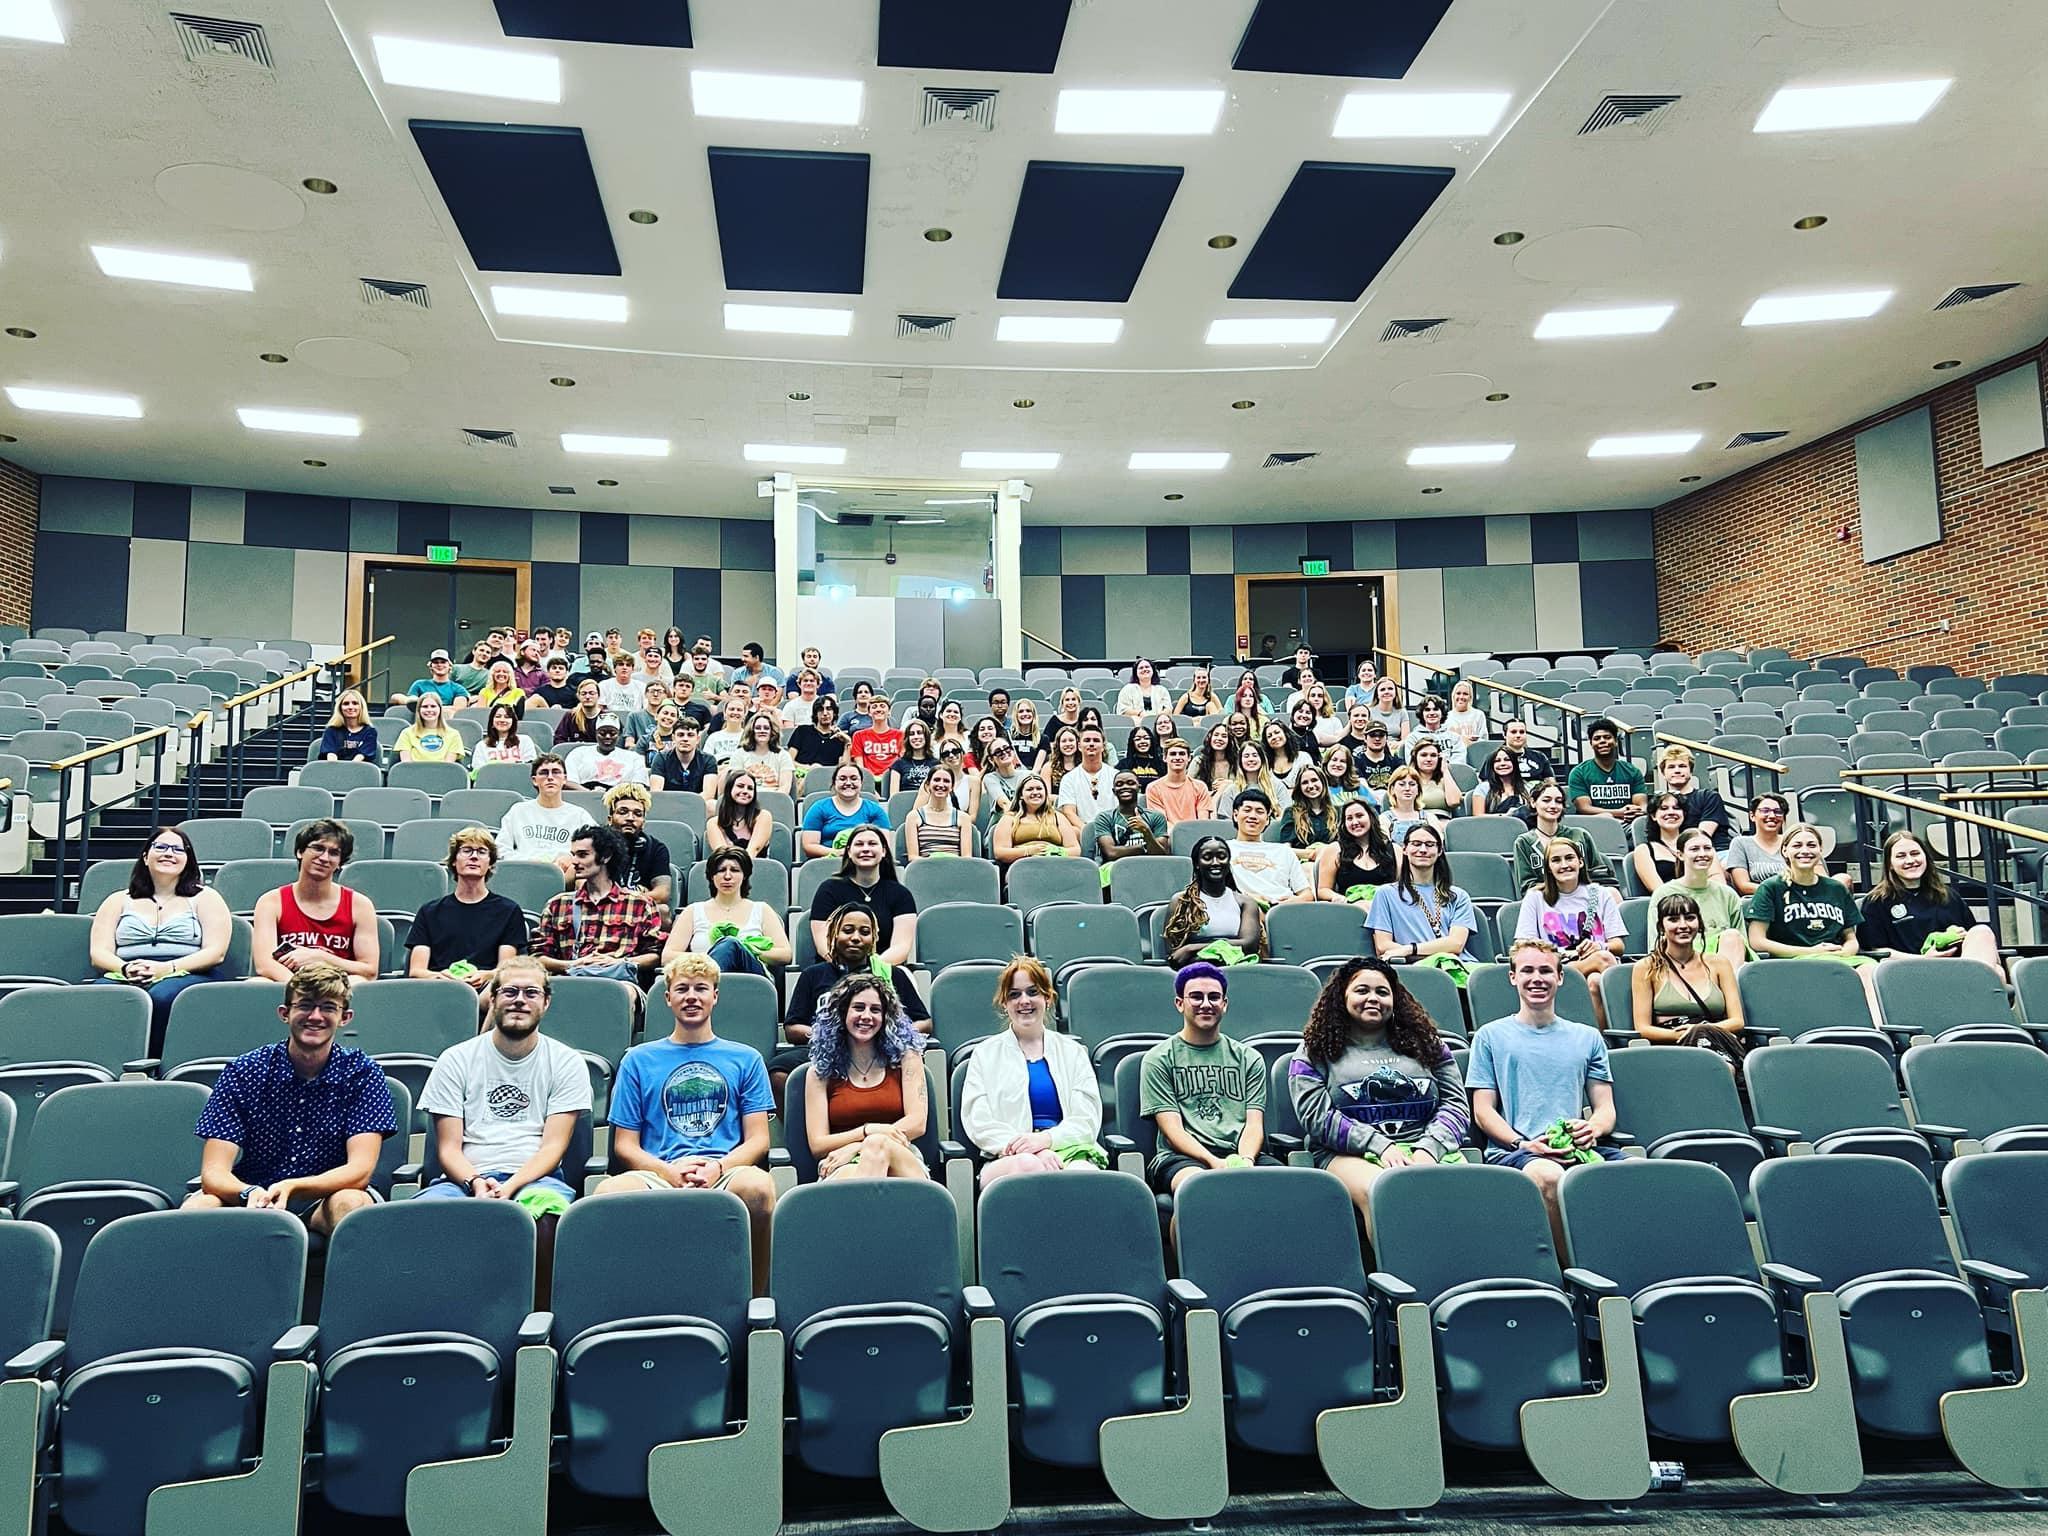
(864,1098)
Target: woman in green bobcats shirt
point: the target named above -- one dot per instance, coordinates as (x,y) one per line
(1721,921)
(1806,911)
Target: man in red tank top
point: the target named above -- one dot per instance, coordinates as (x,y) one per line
(316,917)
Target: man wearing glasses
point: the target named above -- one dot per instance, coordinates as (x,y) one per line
(316,917)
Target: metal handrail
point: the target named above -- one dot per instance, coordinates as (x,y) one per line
(65,767)
(1932,770)
(82,758)
(1064,655)
(1988,823)
(233,709)
(1571,716)
(1994,794)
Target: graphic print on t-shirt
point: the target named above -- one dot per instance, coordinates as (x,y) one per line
(693,1099)
(1388,1099)
(508,1101)
(1206,1090)
(1818,914)
(1567,930)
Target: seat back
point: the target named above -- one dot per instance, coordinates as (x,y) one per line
(891,1240)
(108,1026)
(1642,1220)
(1035,883)
(1440,1227)
(1800,996)
(933,881)
(1994,1203)
(690,1259)
(241,883)
(28,1284)
(140,1132)
(402,1015)
(1238,1231)
(429,1266)
(1934,994)
(222,1021)
(1104,1001)
(1491,995)
(1299,932)
(1983,1086)
(1816,1214)
(399,886)
(1042,1238)
(1819,1089)
(955,931)
(1660,1092)
(1063,934)
(796,1123)
(1142,879)
(53,944)
(1268,1000)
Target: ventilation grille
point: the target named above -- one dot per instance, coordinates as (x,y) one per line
(490,437)
(388,290)
(1626,116)
(958,110)
(561,490)
(1975,292)
(1751,439)
(925,327)
(1415,330)
(207,39)
(1287,460)
(856,426)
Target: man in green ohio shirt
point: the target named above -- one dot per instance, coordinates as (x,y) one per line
(1606,784)
(1204,1092)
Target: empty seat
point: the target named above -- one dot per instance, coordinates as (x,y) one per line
(398,888)
(1948,998)
(933,881)
(485,806)
(43,947)
(242,882)
(340,778)
(217,840)
(1060,936)
(1143,879)
(1299,932)
(435,779)
(1682,1106)
(206,1032)
(957,931)
(1814,1000)
(1041,882)
(1837,1098)
(385,805)
(1991,1091)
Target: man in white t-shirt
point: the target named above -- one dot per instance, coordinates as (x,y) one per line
(505,1102)
(604,764)
(1089,790)
(537,831)
(1271,872)
(624,692)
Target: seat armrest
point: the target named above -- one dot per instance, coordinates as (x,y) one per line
(978,1300)
(760,1313)
(1117,1145)
(1619,1039)
(296,1343)
(1284,1142)
(951,1150)
(143,1066)
(1389,1288)
(10,1194)
(1185,1294)
(38,1360)
(194,1184)
(1785,1278)
(1994,1283)
(1762,1034)
(408,1173)
(778,1157)
(1944,1137)
(1618,1139)
(1777,1139)
(1588,1285)
(535,1328)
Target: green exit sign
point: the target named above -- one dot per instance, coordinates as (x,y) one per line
(445,554)
(1314,567)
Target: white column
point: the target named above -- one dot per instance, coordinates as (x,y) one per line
(1009,566)
(782,490)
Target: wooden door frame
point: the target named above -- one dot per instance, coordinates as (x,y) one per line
(360,561)
(1390,603)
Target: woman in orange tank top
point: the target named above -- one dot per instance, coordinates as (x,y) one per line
(864,1098)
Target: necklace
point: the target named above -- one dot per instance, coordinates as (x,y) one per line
(1433,911)
(865,1074)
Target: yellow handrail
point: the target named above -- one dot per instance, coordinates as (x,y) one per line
(1480,682)
(122,745)
(1041,640)
(301,675)
(1700,746)
(1970,818)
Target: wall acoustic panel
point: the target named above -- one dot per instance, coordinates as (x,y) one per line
(1272,547)
(492,533)
(1614,535)
(672,541)
(1896,495)
(1042,609)
(1557,608)
(1146,616)
(216,515)
(1618,603)
(1419,598)
(747,610)
(626,596)
(239,589)
(1507,541)
(1212,550)
(372,526)
(291,521)
(82,580)
(1489,608)
(72,505)
(1102,551)
(555,536)
(2009,415)
(319,596)
(1038,553)
(1082,621)
(156,589)
(162,512)
(699,601)
(1212,620)
(1372,546)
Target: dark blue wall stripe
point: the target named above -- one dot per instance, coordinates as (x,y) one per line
(1040,555)
(1082,232)
(286,521)
(1083,621)
(1019,37)
(643,23)
(699,602)
(420,523)
(746,544)
(1618,602)
(162,511)
(1331,542)
(1554,538)
(1422,542)
(1166,551)
(523,195)
(557,593)
(603,538)
(1335,228)
(1212,617)
(757,193)
(82,580)
(1338,37)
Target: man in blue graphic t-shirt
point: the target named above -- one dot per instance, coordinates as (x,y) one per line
(691,1112)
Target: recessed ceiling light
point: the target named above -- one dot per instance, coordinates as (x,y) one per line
(799,394)
(622,447)
(607,484)
(788,319)
(161,267)
(1419,114)
(1497,396)
(1244,405)
(21,333)
(72,402)
(1459,453)
(272,357)
(1085,329)
(562,381)
(1173,496)
(775,98)
(938,236)
(1947,363)
(1156,113)
(1022,405)
(314,463)
(33,21)
(644,216)
(1643,445)
(558,304)
(1432,490)
(466,71)
(1222,242)
(1795,308)
(1688,479)
(320,186)
(314,423)
(1704,385)
(988,459)
(1799,108)
(1276,332)
(1811,221)
(792,453)
(1509,237)
(1178,460)
(1632,320)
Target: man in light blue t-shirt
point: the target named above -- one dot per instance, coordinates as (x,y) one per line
(1531,1070)
(691,1112)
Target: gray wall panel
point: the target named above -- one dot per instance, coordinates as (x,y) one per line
(1898,501)
(2009,421)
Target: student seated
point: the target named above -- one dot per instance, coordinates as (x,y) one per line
(600,928)
(864,1100)
(737,932)
(349,737)
(1212,910)
(847,809)
(1683,992)
(1720,909)
(467,934)
(849,947)
(537,831)
(316,917)
(1034,826)
(167,931)
(1912,911)
(1422,914)
(741,820)
(1270,873)
(867,878)
(1584,921)
(1204,1092)
(1029,1101)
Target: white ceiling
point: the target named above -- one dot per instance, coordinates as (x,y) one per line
(1698,212)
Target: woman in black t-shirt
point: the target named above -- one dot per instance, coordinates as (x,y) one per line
(821,744)
(1911,902)
(867,877)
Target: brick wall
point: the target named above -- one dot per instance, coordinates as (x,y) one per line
(18,502)
(1760,559)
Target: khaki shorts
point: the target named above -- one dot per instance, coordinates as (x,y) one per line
(656,1181)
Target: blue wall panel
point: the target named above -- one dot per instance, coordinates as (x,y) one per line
(746,544)
(81,580)
(557,594)
(698,606)
(1212,617)
(421,523)
(1422,542)
(1166,551)
(163,511)
(1082,616)
(603,538)
(1040,553)
(287,521)
(1331,542)
(1554,538)
(1618,602)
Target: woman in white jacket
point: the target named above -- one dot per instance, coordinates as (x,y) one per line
(1030,1094)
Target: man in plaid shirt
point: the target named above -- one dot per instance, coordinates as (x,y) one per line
(600,928)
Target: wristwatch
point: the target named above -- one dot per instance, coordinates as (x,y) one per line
(469,1184)
(243,1198)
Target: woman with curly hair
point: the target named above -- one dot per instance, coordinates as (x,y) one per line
(1211,909)
(864,1097)
(1374,1085)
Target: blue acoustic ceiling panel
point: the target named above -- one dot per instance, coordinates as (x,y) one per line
(1369,39)
(644,23)
(1084,231)
(523,195)
(1019,37)
(1335,228)
(791,220)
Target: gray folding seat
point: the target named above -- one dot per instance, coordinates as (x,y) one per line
(955,931)
(210,1026)
(1717,1365)
(1960,688)
(427,1312)
(425,838)
(385,806)
(937,1152)
(1946,999)
(1815,1001)
(1682,1106)
(341,777)
(485,807)
(218,839)
(1490,995)
(1994,1204)
(684,846)
(405,1023)
(1063,936)
(1484,834)
(1118,1011)
(1271,1005)
(933,881)
(1441,998)
(962,1009)
(511,778)
(1474,1243)
(530,884)
(241,882)
(398,888)
(1300,932)
(1143,879)
(2021,739)
(1835,1098)
(1995,1093)
(56,1037)
(435,779)
(1183,836)
(1035,883)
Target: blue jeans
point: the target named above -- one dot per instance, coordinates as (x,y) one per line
(730,955)
(161,995)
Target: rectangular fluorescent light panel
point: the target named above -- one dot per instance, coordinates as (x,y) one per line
(979,460)
(1179,460)
(1419,114)
(1792,308)
(791,453)
(1644,445)
(623,447)
(1459,453)
(775,98)
(1062,328)
(1138,112)
(33,21)
(312,423)
(161,267)
(788,319)
(1305,331)
(556,304)
(71,402)
(1801,108)
(1638,320)
(467,71)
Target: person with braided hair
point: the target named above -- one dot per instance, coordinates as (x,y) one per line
(1373,1084)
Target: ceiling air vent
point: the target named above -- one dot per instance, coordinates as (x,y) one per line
(1633,117)
(561,490)
(490,437)
(1415,330)
(208,39)
(388,290)
(1286,460)
(1975,292)
(925,327)
(952,109)
(1751,439)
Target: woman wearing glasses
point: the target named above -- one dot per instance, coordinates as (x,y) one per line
(1029,1102)
(167,931)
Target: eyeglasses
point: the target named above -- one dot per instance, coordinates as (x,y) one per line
(521,992)
(166,847)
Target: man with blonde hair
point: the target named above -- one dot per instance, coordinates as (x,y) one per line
(649,868)
(468,934)
(690,1111)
